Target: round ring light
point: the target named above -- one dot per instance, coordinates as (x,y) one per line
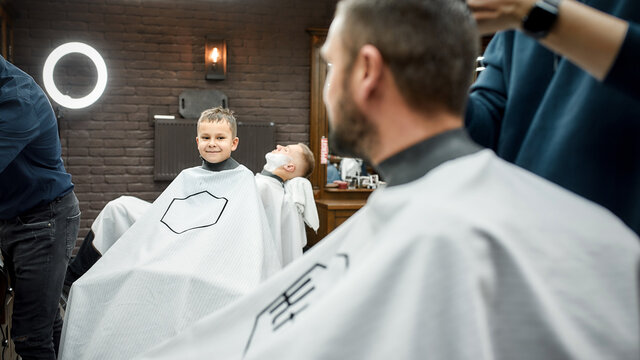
(66,100)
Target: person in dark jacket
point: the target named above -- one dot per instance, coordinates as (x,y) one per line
(561,97)
(39,212)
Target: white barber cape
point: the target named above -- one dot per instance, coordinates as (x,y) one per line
(285,215)
(203,243)
(299,193)
(478,259)
(115,219)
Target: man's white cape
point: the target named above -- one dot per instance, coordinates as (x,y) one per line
(476,260)
(287,207)
(203,243)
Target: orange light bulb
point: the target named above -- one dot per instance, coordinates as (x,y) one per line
(215,55)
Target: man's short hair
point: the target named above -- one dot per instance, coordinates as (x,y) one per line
(310,160)
(429,45)
(218,114)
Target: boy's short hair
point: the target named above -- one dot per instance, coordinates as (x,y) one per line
(218,114)
(310,160)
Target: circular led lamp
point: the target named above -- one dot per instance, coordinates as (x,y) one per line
(66,100)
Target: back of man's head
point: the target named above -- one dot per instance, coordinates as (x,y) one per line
(309,160)
(430,46)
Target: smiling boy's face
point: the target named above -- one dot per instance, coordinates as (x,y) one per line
(215,141)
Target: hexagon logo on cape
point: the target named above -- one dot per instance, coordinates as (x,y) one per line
(195,211)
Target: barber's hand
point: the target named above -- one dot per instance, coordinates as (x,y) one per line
(497,15)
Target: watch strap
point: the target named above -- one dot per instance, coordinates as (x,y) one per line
(541,18)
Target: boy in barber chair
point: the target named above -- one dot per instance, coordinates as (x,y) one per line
(282,185)
(201,244)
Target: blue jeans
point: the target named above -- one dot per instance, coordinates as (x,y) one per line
(36,247)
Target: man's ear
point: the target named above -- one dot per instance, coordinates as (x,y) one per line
(367,74)
(234,143)
(290,167)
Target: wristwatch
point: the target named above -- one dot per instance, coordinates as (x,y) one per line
(539,21)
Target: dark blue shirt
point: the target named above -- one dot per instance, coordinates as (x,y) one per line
(541,112)
(31,169)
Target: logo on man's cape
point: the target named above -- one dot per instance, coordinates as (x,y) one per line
(297,297)
(195,211)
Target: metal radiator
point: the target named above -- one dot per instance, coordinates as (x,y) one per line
(256,139)
(176,149)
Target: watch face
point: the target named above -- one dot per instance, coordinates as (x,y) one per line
(540,19)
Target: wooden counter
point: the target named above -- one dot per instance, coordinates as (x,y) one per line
(332,213)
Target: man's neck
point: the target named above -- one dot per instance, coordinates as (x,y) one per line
(272,175)
(417,160)
(407,130)
(282,174)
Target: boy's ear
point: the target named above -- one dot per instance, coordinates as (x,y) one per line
(197,140)
(234,143)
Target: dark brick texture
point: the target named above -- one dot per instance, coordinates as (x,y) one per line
(154,50)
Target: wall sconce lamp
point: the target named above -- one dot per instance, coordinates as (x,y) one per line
(215,59)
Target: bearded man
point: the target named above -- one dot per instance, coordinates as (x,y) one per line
(462,255)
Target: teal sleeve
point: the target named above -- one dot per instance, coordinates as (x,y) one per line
(488,96)
(625,71)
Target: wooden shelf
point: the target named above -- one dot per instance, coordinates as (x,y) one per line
(336,190)
(332,213)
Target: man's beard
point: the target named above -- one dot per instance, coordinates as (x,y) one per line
(351,133)
(275,161)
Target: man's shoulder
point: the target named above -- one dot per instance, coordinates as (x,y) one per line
(17,85)
(489,194)
(267,179)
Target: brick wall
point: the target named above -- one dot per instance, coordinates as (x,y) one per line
(154,49)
